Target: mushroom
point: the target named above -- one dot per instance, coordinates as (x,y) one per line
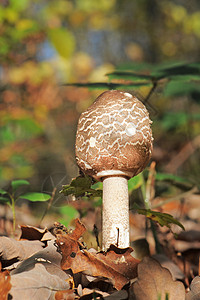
(113,144)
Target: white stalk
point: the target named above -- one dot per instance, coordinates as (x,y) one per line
(115,218)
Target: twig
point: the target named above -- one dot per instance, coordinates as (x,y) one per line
(49,204)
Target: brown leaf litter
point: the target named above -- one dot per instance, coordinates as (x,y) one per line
(58,266)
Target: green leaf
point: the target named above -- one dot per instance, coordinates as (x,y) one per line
(172,120)
(69,213)
(127,75)
(18,183)
(4,199)
(34,197)
(63,41)
(109,85)
(3,192)
(135,66)
(180,88)
(93,85)
(81,186)
(98,203)
(135,182)
(78,186)
(170,177)
(178,181)
(97,185)
(163,219)
(176,70)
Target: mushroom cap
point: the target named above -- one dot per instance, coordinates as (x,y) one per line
(114,136)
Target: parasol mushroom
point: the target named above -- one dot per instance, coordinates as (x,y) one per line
(113,144)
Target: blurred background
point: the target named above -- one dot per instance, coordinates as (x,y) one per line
(46,43)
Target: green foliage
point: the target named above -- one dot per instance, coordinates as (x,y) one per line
(175,80)
(15,184)
(181,79)
(35,197)
(174,180)
(129,75)
(81,186)
(68,213)
(163,219)
(135,182)
(110,85)
(177,87)
(171,121)
(10,196)
(4,196)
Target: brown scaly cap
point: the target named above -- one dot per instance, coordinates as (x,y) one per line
(114,134)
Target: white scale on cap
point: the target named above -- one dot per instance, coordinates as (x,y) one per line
(130,129)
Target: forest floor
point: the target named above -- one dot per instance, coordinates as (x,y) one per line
(53,262)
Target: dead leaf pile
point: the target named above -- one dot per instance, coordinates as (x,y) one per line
(42,265)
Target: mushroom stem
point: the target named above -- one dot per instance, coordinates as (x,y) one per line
(115,225)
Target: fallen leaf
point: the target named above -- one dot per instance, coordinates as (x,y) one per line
(48,236)
(5,285)
(119,295)
(82,261)
(49,257)
(69,242)
(89,293)
(36,284)
(65,295)
(79,230)
(155,281)
(194,293)
(31,232)
(189,235)
(11,249)
(170,265)
(121,260)
(141,248)
(116,264)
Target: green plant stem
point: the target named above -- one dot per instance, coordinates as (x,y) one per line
(13,212)
(157,243)
(147,205)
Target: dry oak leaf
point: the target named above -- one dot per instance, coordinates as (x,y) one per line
(65,295)
(36,284)
(119,295)
(155,281)
(170,265)
(48,257)
(20,250)
(194,293)
(87,293)
(32,233)
(90,264)
(116,264)
(5,285)
(121,260)
(70,240)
